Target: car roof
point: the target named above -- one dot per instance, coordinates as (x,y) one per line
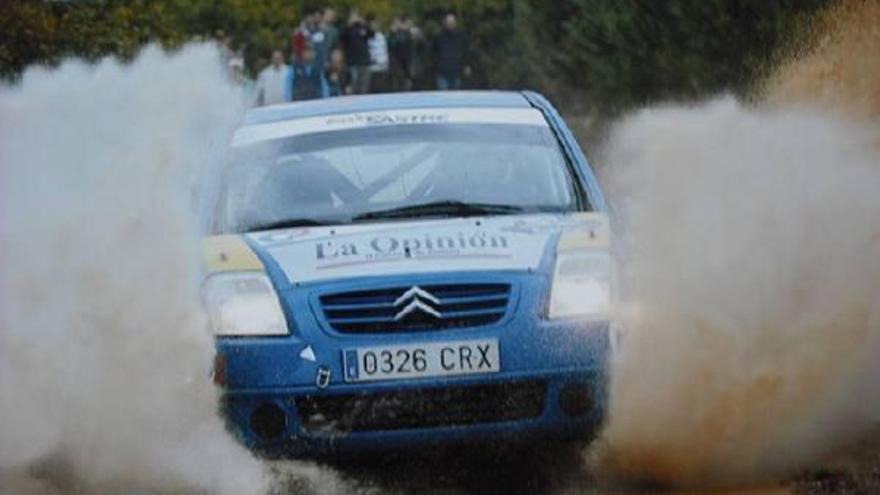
(389,101)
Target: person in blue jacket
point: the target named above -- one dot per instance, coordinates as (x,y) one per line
(305,80)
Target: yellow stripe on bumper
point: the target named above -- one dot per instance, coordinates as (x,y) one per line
(229,253)
(596,238)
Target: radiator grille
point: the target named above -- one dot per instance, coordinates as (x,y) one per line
(416,308)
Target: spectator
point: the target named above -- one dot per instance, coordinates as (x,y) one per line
(318,39)
(271,83)
(235,64)
(226,49)
(401,48)
(448,52)
(330,32)
(308,33)
(306,79)
(378,46)
(239,78)
(420,61)
(338,79)
(355,40)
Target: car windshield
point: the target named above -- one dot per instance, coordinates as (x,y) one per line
(396,172)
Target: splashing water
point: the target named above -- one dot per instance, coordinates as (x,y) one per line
(750,292)
(748,238)
(841,74)
(104,352)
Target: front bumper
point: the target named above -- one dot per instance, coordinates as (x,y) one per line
(271,423)
(304,421)
(552,383)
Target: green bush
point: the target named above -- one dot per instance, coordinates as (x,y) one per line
(609,53)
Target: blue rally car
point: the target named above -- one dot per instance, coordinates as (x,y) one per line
(400,271)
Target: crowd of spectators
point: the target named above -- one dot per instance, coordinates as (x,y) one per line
(326,58)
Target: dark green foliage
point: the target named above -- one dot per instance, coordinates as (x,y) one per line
(611,53)
(633,51)
(34,31)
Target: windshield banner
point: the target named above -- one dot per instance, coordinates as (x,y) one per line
(296,127)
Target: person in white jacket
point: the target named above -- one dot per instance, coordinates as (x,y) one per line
(379,61)
(271,81)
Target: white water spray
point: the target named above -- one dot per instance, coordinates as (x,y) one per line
(104,351)
(751,292)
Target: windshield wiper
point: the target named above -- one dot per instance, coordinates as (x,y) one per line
(290,223)
(446,208)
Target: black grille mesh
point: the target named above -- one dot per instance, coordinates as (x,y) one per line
(423,408)
(375,311)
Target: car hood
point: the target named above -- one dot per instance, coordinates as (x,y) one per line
(510,242)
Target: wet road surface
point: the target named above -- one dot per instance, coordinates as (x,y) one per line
(539,469)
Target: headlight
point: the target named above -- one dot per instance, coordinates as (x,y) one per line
(243,304)
(581,284)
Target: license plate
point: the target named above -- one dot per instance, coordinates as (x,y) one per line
(421,360)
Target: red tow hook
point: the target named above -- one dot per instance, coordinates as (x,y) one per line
(219,372)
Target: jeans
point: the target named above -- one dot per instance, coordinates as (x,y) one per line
(360,79)
(447,83)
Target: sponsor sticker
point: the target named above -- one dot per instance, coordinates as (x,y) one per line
(331,253)
(255,133)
